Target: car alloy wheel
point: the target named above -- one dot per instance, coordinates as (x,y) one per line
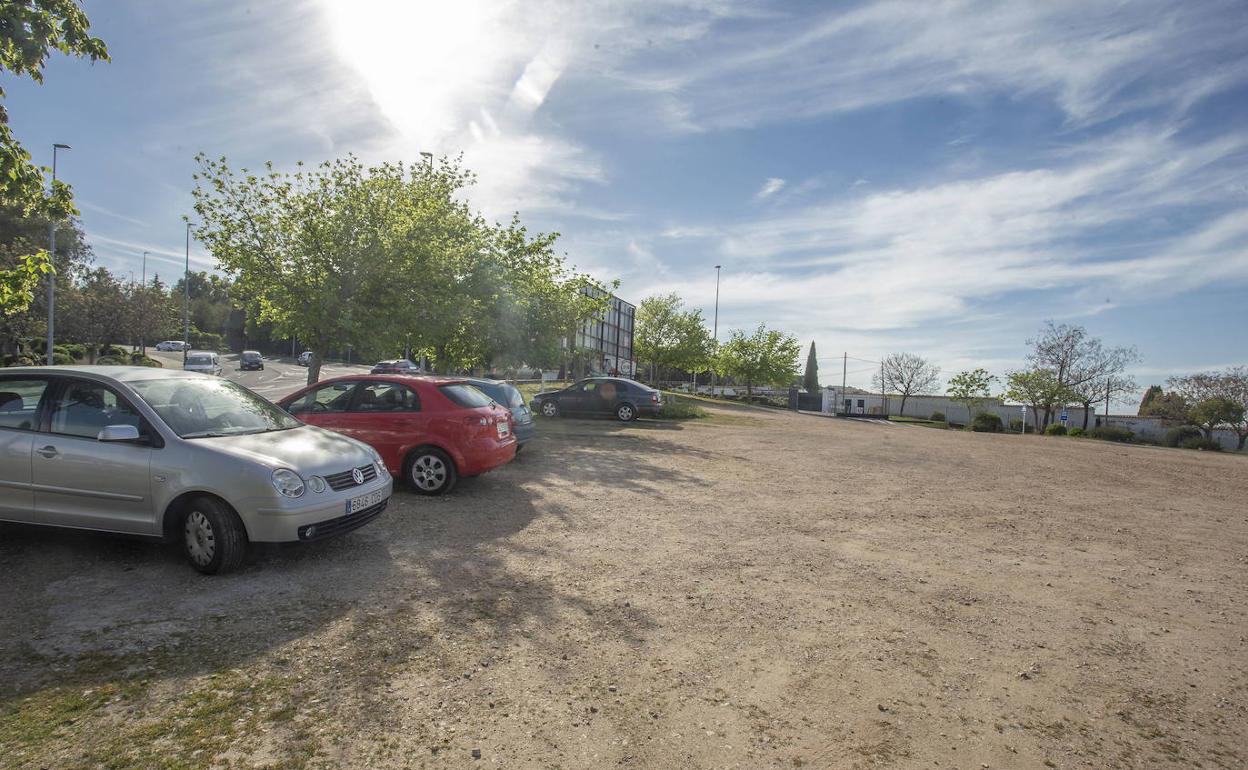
(625,412)
(201,541)
(431,472)
(549,409)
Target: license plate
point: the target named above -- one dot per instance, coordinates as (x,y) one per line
(357,504)
(503,429)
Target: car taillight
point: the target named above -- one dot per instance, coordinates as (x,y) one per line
(477,420)
(654,397)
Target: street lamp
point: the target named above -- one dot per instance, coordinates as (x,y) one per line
(52,256)
(428,156)
(145,268)
(186,289)
(715,327)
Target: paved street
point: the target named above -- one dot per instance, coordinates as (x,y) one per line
(280,376)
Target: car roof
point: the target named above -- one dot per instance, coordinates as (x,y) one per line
(118,373)
(431,379)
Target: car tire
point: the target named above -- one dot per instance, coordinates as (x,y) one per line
(430,471)
(550,408)
(626,413)
(213,537)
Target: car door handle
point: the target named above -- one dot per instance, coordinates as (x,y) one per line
(48,451)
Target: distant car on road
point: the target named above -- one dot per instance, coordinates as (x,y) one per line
(173,455)
(171,345)
(204,362)
(397,366)
(615,396)
(305,358)
(428,430)
(509,396)
(251,359)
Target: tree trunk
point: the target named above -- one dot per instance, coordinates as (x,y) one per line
(902,412)
(1243,436)
(1087,407)
(314,368)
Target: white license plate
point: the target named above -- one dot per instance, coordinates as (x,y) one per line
(357,504)
(503,429)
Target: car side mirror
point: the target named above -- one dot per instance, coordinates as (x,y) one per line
(119,433)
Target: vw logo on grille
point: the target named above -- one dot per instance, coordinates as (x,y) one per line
(357,476)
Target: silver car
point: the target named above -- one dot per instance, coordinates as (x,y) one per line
(204,362)
(176,455)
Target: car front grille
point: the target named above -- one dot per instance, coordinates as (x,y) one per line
(342,524)
(341,481)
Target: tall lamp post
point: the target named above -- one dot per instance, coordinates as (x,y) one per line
(186,290)
(52,256)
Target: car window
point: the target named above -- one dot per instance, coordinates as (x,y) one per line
(199,360)
(465,395)
(514,397)
(493,391)
(86,408)
(203,407)
(589,387)
(335,397)
(386,397)
(19,401)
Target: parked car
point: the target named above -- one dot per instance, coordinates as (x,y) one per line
(429,430)
(251,360)
(305,358)
(397,366)
(624,399)
(171,345)
(203,362)
(511,397)
(176,455)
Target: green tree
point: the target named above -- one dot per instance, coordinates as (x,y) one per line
(970,389)
(21,234)
(907,374)
(29,31)
(1215,412)
(766,357)
(1038,389)
(95,311)
(1170,407)
(1153,392)
(810,379)
(1229,385)
(665,336)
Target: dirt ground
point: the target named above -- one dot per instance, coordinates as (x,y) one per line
(751,590)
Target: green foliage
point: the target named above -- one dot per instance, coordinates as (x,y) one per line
(970,388)
(938,416)
(1214,412)
(1056,429)
(677,408)
(766,357)
(1168,406)
(138,359)
(17,284)
(1201,443)
(1177,435)
(1075,432)
(987,422)
(1153,392)
(667,337)
(1016,425)
(206,341)
(61,359)
(1111,433)
(1039,389)
(112,361)
(13,360)
(810,380)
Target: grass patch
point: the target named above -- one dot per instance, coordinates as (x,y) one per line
(681,408)
(920,421)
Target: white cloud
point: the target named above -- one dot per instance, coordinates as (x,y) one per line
(772,186)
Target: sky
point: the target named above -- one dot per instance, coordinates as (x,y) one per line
(936,177)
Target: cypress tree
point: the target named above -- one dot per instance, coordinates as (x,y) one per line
(811,380)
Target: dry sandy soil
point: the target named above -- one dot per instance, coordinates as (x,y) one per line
(752,590)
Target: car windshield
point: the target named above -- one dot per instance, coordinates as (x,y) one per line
(199,360)
(202,408)
(251,356)
(465,395)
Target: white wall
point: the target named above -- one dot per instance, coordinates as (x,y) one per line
(923,407)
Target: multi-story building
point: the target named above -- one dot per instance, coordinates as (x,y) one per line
(609,336)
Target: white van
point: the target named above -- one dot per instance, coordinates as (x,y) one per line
(204,362)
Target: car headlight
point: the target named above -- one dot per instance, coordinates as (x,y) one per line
(381,465)
(317,483)
(287,483)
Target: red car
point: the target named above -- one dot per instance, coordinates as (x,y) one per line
(428,430)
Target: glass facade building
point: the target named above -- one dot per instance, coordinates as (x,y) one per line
(610,337)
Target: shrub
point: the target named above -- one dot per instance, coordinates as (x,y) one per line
(1176,436)
(1076,432)
(1016,426)
(987,422)
(112,361)
(1110,433)
(18,361)
(77,350)
(114,351)
(680,409)
(938,416)
(138,359)
(206,341)
(61,359)
(1056,429)
(1200,442)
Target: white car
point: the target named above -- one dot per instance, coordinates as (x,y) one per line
(171,345)
(204,362)
(305,358)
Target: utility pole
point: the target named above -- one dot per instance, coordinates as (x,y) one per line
(883,406)
(52,256)
(844,369)
(1108,381)
(186,288)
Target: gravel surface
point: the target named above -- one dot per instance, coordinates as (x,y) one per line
(756,589)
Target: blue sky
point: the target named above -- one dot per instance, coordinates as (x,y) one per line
(932,177)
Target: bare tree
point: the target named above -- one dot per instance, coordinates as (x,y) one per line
(907,374)
(1099,374)
(1077,359)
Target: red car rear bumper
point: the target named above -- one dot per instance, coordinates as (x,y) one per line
(486,455)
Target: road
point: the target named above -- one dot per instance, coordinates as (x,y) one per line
(279,377)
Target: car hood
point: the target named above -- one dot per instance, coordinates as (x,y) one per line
(307,449)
